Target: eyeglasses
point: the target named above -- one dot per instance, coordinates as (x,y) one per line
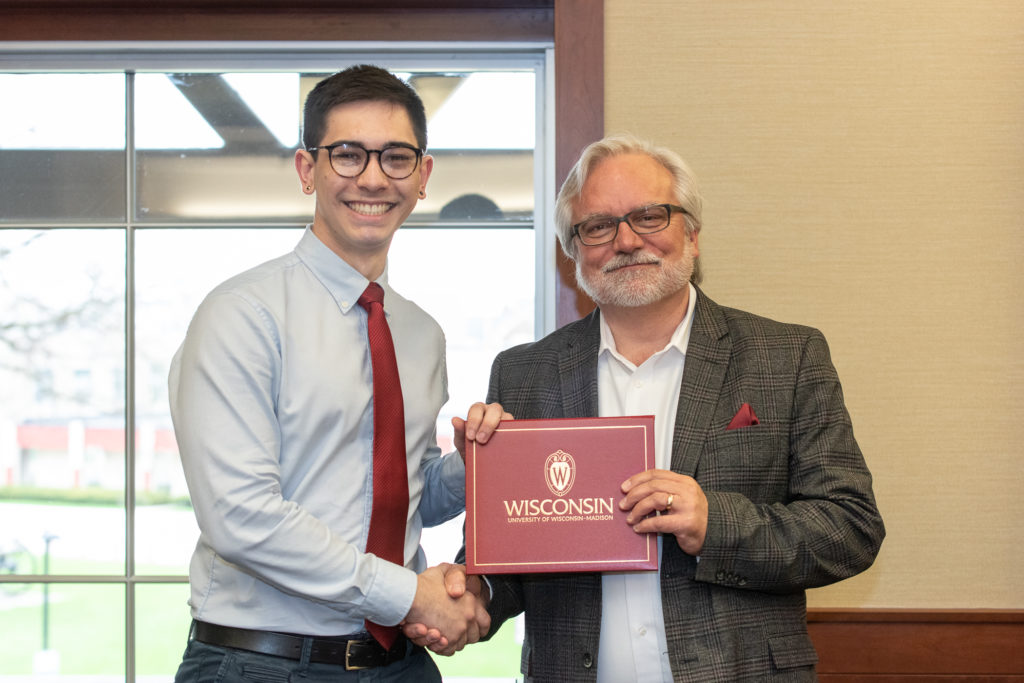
(350,159)
(643,221)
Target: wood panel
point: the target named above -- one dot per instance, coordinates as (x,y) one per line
(579,115)
(249,6)
(900,646)
(402,20)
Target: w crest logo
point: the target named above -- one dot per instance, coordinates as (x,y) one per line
(559,472)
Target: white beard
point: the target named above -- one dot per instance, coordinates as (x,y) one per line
(631,289)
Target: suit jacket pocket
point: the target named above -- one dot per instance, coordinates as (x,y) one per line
(753,461)
(792,651)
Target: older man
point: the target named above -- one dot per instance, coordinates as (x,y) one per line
(760,490)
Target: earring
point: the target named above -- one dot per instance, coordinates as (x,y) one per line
(423,194)
(309,188)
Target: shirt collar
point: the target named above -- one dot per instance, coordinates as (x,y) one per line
(680,337)
(344,282)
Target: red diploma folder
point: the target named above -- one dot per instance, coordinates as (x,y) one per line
(543,496)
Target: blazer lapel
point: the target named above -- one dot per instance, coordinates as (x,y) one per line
(707,358)
(577,369)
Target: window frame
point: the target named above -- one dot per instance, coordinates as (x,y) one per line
(576,28)
(576,117)
(138,58)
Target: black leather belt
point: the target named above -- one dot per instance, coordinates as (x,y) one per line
(353,654)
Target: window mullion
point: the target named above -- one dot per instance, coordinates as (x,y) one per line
(129,450)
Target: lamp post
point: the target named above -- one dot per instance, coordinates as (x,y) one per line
(47,538)
(46,661)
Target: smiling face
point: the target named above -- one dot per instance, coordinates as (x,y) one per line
(357,217)
(633,270)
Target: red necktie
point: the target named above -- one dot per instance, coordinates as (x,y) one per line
(390,479)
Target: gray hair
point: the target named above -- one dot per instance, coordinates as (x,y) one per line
(687,192)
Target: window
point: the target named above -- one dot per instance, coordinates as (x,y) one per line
(135,181)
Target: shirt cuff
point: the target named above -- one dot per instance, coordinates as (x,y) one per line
(390,597)
(490,588)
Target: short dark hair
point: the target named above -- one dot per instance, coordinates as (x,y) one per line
(360,83)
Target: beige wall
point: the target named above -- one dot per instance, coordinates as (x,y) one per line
(863,171)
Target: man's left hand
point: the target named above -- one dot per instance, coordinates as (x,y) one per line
(481,421)
(678,500)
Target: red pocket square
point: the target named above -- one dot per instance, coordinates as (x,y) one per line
(744,417)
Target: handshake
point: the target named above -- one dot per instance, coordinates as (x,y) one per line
(449,610)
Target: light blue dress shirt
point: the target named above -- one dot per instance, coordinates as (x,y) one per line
(633,645)
(271,400)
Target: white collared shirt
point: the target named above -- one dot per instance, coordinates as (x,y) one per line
(633,646)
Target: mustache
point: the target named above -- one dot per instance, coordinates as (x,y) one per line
(624,260)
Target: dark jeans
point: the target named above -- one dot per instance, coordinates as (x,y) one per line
(204,663)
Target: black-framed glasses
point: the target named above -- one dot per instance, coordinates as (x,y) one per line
(643,221)
(350,159)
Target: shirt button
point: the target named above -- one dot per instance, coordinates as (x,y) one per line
(642,631)
(588,661)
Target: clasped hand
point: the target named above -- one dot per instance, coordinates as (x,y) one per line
(448,612)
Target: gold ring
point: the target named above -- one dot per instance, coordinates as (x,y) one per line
(668,503)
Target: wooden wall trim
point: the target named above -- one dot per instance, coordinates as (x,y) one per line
(274,21)
(902,645)
(915,615)
(579,116)
(248,6)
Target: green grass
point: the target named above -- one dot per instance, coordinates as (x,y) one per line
(87,496)
(498,657)
(86,625)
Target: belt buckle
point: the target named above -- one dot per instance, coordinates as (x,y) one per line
(351,667)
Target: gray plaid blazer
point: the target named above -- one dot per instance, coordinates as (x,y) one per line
(790,500)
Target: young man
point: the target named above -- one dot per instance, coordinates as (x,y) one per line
(284,426)
(760,490)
